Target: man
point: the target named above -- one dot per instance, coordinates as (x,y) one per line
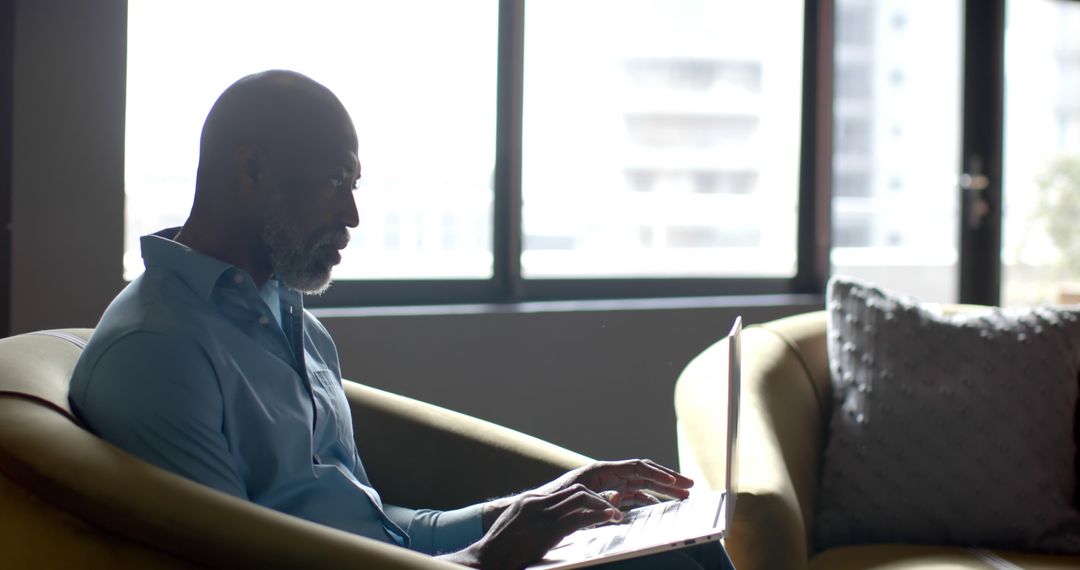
(208,365)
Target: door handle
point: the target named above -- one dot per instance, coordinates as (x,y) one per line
(973,183)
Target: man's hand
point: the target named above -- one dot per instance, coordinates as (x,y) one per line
(520,529)
(635,481)
(626,484)
(532,523)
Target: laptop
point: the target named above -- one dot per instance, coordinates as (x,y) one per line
(704,516)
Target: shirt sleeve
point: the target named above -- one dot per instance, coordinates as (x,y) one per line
(157,397)
(438,532)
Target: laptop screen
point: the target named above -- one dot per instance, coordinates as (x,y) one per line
(734,379)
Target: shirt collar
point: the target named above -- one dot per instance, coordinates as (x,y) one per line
(198,270)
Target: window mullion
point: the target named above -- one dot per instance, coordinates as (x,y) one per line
(815,176)
(506,231)
(980,212)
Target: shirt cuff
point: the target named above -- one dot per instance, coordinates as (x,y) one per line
(459,528)
(437,532)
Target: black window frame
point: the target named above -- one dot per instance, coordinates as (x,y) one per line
(980,245)
(507,284)
(7,93)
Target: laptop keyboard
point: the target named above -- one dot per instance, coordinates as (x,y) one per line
(655,523)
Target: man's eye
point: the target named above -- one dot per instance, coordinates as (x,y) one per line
(341,183)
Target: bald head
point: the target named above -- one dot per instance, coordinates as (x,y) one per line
(273,194)
(285,115)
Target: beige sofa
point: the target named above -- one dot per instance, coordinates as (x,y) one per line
(785,404)
(70,500)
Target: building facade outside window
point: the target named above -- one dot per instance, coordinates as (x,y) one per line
(660,139)
(896,144)
(422,95)
(1041,246)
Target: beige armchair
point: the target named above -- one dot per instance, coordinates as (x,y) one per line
(785,406)
(69,499)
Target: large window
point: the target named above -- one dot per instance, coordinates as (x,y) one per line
(1041,253)
(656,141)
(421,92)
(896,144)
(537,149)
(661,139)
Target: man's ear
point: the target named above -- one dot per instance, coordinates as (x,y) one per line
(248,164)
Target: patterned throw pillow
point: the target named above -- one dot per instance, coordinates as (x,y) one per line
(949,429)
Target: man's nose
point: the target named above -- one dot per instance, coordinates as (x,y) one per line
(349,214)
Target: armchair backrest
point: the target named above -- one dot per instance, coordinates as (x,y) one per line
(784,408)
(798,394)
(70,499)
(37,366)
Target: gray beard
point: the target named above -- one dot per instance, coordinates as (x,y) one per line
(304,267)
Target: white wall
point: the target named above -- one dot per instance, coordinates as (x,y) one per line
(596,378)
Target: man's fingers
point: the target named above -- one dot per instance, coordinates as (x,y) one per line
(680,479)
(548,499)
(636,474)
(640,499)
(636,486)
(572,508)
(581,508)
(576,496)
(649,469)
(614,497)
(667,490)
(581,519)
(534,523)
(582,498)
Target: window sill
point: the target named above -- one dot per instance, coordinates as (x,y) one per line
(652,304)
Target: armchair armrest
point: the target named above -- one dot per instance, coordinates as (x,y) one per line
(421,455)
(780,441)
(144,512)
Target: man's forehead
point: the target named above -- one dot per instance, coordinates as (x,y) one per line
(348,162)
(327,139)
(333,158)
(352,163)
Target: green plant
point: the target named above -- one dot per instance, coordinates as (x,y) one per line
(1058,206)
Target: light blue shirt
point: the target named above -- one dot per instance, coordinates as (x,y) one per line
(191,370)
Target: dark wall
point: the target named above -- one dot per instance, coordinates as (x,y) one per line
(599,381)
(67,184)
(7,64)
